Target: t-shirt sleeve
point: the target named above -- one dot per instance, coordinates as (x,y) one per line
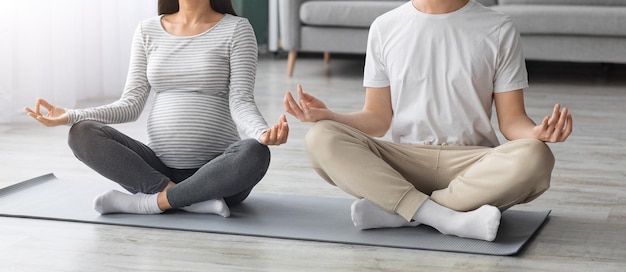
(243,61)
(511,71)
(374,73)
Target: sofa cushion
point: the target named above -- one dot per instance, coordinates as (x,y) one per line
(344,13)
(565,2)
(567,20)
(487,2)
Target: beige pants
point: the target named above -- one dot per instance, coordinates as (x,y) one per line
(400,177)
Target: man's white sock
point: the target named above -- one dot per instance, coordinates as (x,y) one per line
(481,223)
(367,215)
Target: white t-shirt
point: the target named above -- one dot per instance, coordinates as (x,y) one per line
(443,70)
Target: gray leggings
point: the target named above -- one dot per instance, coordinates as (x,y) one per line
(134,166)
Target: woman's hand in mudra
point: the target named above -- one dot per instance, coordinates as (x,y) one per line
(277,134)
(54,116)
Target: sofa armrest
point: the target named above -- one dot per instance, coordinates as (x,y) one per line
(289,23)
(488,3)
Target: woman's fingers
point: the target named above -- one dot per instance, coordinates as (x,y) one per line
(278,133)
(43,103)
(268,136)
(47,122)
(36,115)
(40,102)
(283,132)
(30,112)
(52,116)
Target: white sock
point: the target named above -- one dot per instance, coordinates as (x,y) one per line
(214,206)
(481,223)
(367,215)
(117,202)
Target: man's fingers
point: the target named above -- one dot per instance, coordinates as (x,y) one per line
(305,108)
(299,90)
(296,109)
(556,115)
(287,97)
(560,124)
(543,134)
(555,128)
(570,124)
(544,123)
(300,93)
(556,110)
(568,128)
(287,105)
(563,117)
(288,101)
(293,105)
(556,135)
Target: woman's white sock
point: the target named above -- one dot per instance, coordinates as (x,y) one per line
(213,206)
(117,202)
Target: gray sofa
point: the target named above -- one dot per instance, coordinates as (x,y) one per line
(327,26)
(551,30)
(570,30)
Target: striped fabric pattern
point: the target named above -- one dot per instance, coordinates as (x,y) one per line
(203,88)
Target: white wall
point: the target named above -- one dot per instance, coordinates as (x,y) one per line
(64,50)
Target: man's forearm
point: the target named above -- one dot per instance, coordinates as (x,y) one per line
(368,122)
(520,128)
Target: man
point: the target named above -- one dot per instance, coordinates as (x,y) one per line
(433,70)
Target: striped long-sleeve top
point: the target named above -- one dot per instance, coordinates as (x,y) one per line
(203,88)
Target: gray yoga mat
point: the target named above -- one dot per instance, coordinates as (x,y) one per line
(265,215)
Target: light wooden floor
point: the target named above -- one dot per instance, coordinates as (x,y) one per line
(586,230)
